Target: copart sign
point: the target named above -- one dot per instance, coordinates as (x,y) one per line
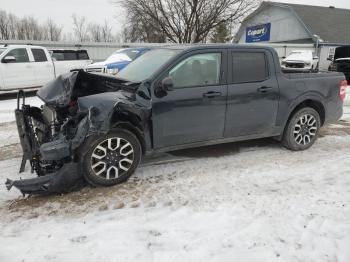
(258,33)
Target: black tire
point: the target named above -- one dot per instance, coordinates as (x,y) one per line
(295,138)
(112,159)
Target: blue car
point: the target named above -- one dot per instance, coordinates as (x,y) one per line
(117,61)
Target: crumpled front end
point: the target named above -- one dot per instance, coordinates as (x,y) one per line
(77,105)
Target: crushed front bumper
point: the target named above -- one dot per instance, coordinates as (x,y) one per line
(62,180)
(65,180)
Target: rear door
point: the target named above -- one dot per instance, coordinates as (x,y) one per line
(253,93)
(44,71)
(20,73)
(195,110)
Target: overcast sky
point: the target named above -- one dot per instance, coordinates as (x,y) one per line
(99,10)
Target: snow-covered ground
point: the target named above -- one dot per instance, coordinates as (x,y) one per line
(249,201)
(8,106)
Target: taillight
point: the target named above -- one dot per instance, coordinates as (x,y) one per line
(342,91)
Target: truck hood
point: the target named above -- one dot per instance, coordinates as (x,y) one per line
(96,65)
(60,92)
(296,61)
(298,57)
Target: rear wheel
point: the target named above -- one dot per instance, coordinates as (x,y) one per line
(111,159)
(302,129)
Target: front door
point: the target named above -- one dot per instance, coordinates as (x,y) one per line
(194,111)
(20,73)
(253,94)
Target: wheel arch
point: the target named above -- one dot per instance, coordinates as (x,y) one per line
(315,104)
(130,122)
(312,103)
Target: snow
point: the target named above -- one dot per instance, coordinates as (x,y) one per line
(248,201)
(7,108)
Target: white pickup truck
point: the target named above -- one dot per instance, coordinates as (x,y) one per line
(27,66)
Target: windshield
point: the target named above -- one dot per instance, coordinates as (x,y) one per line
(123,55)
(145,66)
(2,50)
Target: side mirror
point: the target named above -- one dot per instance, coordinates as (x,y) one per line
(316,57)
(168,84)
(283,57)
(329,59)
(9,59)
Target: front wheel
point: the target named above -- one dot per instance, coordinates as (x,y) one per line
(302,129)
(111,159)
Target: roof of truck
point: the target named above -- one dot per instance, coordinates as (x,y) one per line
(213,46)
(20,46)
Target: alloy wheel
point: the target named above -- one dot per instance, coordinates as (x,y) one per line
(305,130)
(112,158)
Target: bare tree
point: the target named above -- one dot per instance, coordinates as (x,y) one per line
(185,21)
(100,33)
(80,27)
(28,28)
(31,29)
(139,29)
(13,22)
(53,32)
(106,31)
(5,32)
(95,32)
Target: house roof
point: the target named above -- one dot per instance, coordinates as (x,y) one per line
(330,23)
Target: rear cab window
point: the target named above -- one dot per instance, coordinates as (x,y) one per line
(69,55)
(249,66)
(39,55)
(83,55)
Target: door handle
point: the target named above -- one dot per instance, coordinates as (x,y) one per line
(264,89)
(212,94)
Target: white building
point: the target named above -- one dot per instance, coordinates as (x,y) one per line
(290,26)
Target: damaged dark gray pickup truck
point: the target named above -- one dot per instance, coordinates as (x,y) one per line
(96,128)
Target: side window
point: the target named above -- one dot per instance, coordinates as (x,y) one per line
(68,56)
(20,54)
(39,55)
(249,67)
(58,56)
(83,55)
(197,70)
